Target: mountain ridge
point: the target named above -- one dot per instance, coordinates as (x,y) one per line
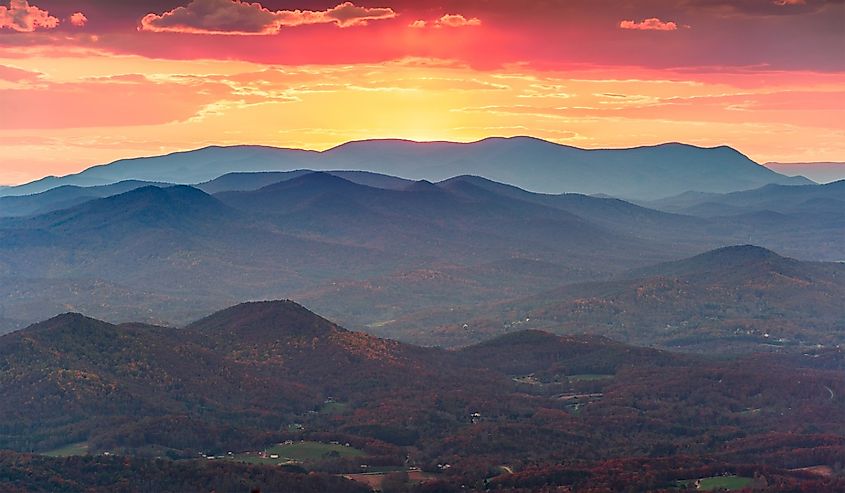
(730,298)
(528,162)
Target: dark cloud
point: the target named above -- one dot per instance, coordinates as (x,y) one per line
(22,17)
(764,7)
(243,17)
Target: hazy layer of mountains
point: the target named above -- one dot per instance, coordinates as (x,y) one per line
(821,172)
(529,163)
(370,250)
(380,252)
(803,199)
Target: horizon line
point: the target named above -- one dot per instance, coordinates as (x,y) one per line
(380,139)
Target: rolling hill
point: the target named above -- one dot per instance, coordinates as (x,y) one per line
(237,368)
(509,410)
(28,473)
(245,182)
(64,197)
(730,299)
(181,251)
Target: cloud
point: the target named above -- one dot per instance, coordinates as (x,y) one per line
(13,74)
(109,101)
(78,19)
(245,18)
(457,20)
(347,14)
(652,24)
(448,20)
(765,7)
(22,17)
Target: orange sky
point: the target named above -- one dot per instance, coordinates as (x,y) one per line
(95,82)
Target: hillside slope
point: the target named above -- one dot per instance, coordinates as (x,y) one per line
(734,299)
(272,375)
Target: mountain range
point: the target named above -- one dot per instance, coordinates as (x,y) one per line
(529,163)
(181,249)
(365,248)
(828,198)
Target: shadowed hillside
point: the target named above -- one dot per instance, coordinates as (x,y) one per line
(730,298)
(274,376)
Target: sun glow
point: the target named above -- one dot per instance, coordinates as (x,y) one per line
(82,94)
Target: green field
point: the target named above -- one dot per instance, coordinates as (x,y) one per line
(70,450)
(719,483)
(587,377)
(299,452)
(333,408)
(724,482)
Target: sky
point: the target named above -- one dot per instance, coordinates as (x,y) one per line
(85,82)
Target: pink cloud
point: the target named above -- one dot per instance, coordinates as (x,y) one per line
(790,2)
(448,20)
(245,18)
(457,20)
(348,14)
(78,19)
(652,24)
(13,74)
(117,101)
(22,17)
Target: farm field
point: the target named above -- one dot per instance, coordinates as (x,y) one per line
(720,483)
(376,480)
(73,449)
(298,452)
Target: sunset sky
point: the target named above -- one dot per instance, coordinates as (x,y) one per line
(84,82)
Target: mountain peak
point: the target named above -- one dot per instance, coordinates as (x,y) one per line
(321,179)
(750,252)
(730,257)
(423,186)
(265,321)
(725,261)
(69,323)
(148,206)
(66,318)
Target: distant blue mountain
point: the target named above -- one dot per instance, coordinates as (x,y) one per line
(63,197)
(814,199)
(245,182)
(529,163)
